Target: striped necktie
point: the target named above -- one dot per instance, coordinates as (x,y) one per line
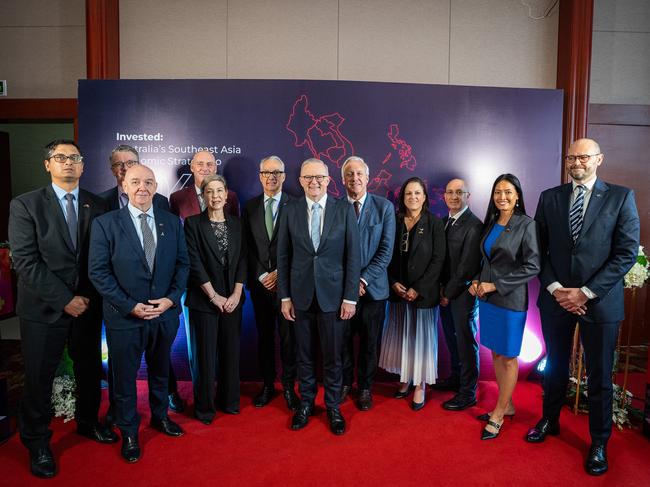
(315,225)
(575,215)
(148,242)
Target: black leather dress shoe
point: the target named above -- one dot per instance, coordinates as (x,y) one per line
(231,410)
(364,402)
(301,417)
(459,403)
(345,392)
(448,384)
(167,426)
(264,397)
(176,403)
(596,463)
(98,432)
(291,398)
(42,463)
(130,449)
(543,427)
(337,423)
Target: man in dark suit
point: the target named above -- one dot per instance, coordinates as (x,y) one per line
(48,233)
(139,264)
(188,201)
(589,231)
(260,218)
(122,158)
(318,284)
(376,221)
(458,308)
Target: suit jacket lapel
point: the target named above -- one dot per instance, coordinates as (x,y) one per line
(129,230)
(330,209)
(596,201)
(258,226)
(283,201)
(563,202)
(84,216)
(364,216)
(420,230)
(59,218)
(208,234)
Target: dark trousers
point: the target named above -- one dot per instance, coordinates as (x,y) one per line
(599,341)
(42,346)
(459,322)
(330,328)
(367,322)
(217,335)
(125,347)
(267,315)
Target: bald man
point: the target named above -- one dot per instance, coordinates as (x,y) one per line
(139,264)
(589,231)
(188,201)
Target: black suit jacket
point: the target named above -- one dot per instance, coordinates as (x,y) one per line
(112,198)
(261,251)
(204,264)
(50,271)
(514,260)
(603,253)
(331,272)
(463,257)
(426,257)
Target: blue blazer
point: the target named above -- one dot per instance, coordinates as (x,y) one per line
(603,253)
(118,267)
(377,235)
(332,272)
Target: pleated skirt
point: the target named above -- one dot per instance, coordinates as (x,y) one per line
(409,344)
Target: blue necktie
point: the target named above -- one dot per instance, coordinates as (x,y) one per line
(315,225)
(575,214)
(71,219)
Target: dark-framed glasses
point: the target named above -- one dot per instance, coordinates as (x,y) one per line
(404,242)
(125,164)
(458,192)
(580,157)
(319,178)
(268,174)
(62,158)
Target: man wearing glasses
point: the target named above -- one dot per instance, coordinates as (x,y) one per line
(589,232)
(49,234)
(121,159)
(260,222)
(319,266)
(458,308)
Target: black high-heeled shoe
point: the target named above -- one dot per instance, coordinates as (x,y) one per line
(489,435)
(402,394)
(416,406)
(486,416)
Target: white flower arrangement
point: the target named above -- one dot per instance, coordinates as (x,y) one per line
(638,274)
(63,398)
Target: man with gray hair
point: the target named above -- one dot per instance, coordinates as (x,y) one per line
(260,222)
(376,220)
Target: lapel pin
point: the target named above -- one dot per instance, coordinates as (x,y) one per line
(421,231)
(86,205)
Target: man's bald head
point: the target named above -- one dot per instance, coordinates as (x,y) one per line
(582,160)
(140,185)
(456,195)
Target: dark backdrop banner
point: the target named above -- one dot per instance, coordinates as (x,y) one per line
(401,130)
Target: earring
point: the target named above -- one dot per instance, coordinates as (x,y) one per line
(517,203)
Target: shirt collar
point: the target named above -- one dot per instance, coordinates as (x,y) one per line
(135,212)
(589,186)
(321,202)
(197,190)
(459,214)
(361,200)
(274,197)
(60,192)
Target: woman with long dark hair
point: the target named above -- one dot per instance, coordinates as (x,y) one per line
(409,342)
(511,258)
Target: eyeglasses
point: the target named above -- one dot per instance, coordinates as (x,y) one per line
(581,157)
(126,164)
(404,243)
(268,174)
(62,158)
(319,179)
(458,192)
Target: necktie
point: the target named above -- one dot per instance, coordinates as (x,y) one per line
(575,215)
(148,243)
(449,224)
(357,208)
(71,219)
(268,217)
(124,200)
(201,202)
(315,225)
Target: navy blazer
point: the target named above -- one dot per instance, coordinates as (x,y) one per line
(50,270)
(377,235)
(332,272)
(118,267)
(112,197)
(514,260)
(603,253)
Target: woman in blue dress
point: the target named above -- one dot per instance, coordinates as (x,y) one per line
(511,258)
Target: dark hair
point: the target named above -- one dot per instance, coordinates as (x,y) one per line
(48,150)
(492,212)
(401,208)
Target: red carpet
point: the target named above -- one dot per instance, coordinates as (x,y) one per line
(389,445)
